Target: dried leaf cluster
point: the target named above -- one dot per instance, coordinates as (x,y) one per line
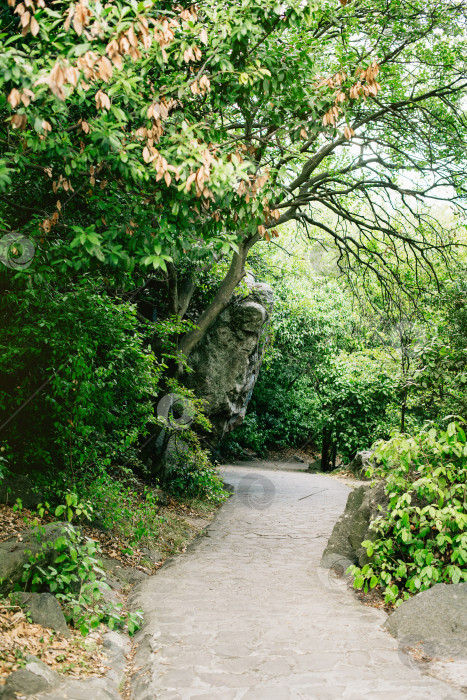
(73,657)
(365,86)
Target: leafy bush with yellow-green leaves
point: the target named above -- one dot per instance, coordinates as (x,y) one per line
(422,538)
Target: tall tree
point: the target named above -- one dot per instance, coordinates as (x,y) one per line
(143,135)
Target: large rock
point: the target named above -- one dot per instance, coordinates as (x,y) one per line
(434,620)
(227,361)
(44,609)
(344,545)
(20,486)
(15,553)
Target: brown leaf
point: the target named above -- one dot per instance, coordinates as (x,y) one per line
(14,98)
(34,26)
(102,100)
(19,121)
(105,69)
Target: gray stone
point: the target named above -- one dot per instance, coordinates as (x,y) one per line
(15,553)
(244,613)
(44,609)
(360,463)
(227,361)
(354,527)
(35,677)
(118,575)
(87,689)
(19,486)
(116,646)
(152,554)
(435,620)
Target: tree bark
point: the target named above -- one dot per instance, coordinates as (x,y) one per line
(326,444)
(172,284)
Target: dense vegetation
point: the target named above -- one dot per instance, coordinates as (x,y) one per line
(150,154)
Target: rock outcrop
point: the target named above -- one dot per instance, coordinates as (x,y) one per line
(34,677)
(345,544)
(227,361)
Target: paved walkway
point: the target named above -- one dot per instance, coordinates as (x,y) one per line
(246,614)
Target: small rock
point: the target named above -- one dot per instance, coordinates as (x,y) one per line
(118,575)
(44,610)
(360,463)
(116,646)
(153,554)
(110,594)
(298,459)
(35,677)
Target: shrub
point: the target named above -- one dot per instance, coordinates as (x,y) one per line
(191,473)
(77,581)
(422,539)
(75,365)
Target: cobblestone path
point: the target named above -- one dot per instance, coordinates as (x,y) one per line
(246,613)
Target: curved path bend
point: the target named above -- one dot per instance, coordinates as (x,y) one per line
(246,614)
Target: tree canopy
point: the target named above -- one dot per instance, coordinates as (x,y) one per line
(137,135)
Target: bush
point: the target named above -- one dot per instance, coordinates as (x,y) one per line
(191,473)
(76,366)
(77,581)
(422,539)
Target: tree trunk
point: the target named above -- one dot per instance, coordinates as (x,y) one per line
(325,451)
(404,408)
(334,455)
(224,294)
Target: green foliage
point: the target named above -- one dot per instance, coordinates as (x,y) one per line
(191,473)
(74,509)
(124,506)
(422,538)
(161,131)
(77,581)
(319,384)
(76,367)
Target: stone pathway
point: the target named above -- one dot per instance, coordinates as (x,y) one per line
(246,614)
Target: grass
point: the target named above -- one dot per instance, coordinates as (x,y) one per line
(183,521)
